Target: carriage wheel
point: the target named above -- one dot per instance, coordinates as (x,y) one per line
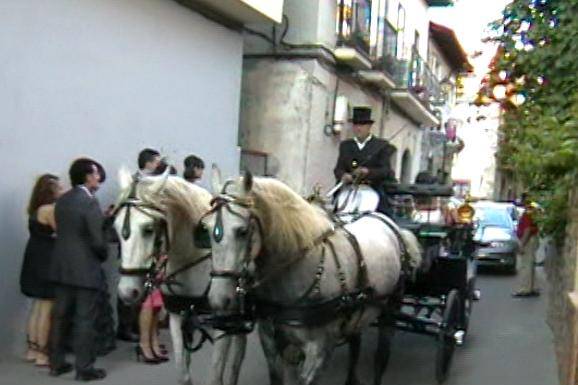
(467,303)
(446,338)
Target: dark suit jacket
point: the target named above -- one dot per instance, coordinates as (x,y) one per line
(80,244)
(374,156)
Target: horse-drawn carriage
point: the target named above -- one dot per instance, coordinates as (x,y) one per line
(309,281)
(438,301)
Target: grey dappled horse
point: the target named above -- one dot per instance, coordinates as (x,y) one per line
(270,243)
(143,208)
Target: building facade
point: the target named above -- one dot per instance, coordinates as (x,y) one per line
(105,79)
(300,80)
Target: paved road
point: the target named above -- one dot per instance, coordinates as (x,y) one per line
(509,344)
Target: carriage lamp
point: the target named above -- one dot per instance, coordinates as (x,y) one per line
(466,213)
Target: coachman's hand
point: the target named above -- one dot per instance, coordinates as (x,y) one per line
(346,178)
(361,172)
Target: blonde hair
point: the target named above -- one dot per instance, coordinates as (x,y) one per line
(291,224)
(184,200)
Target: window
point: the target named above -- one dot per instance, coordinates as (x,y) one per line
(354,22)
(400,31)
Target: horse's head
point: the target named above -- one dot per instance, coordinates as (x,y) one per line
(142,232)
(236,240)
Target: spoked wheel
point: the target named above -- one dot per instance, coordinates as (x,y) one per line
(467,300)
(446,338)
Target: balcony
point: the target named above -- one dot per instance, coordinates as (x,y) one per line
(353,33)
(385,63)
(418,90)
(369,45)
(240,11)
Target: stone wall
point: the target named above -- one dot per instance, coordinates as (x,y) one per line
(563,298)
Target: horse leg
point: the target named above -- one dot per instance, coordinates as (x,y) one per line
(181,361)
(219,358)
(316,355)
(272,354)
(382,353)
(238,347)
(354,349)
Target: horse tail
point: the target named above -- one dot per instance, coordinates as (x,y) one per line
(413,248)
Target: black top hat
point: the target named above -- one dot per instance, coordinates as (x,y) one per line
(361,115)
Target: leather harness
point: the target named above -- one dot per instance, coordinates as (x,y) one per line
(306,311)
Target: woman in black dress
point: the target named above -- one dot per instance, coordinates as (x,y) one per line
(34,277)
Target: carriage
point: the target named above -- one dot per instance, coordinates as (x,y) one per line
(438,300)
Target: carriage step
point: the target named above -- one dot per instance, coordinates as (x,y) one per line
(459,336)
(477,294)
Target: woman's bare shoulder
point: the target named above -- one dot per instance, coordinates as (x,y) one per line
(45,213)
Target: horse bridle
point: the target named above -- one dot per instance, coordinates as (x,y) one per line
(252,222)
(242,321)
(160,229)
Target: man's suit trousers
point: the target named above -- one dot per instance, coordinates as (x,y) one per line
(76,307)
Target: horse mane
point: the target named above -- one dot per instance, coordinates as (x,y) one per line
(291,224)
(184,201)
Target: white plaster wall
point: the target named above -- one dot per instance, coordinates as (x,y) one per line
(416,18)
(104,79)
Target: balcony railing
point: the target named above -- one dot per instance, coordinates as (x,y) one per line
(420,80)
(354,24)
(387,56)
(354,29)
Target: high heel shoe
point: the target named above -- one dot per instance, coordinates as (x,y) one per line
(162,357)
(32,352)
(141,357)
(42,360)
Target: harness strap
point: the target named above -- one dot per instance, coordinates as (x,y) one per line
(282,268)
(187,266)
(362,278)
(315,287)
(340,274)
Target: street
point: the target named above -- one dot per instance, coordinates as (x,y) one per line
(509,344)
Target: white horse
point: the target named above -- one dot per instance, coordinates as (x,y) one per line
(144,208)
(290,255)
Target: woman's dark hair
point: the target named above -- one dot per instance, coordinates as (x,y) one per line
(162,167)
(191,162)
(43,193)
(82,167)
(145,156)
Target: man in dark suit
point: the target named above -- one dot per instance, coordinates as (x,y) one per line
(76,270)
(365,158)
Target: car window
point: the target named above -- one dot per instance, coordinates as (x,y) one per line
(489,216)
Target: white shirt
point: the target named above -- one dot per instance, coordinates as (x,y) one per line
(360,145)
(87,190)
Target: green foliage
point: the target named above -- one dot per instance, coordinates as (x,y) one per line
(538,56)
